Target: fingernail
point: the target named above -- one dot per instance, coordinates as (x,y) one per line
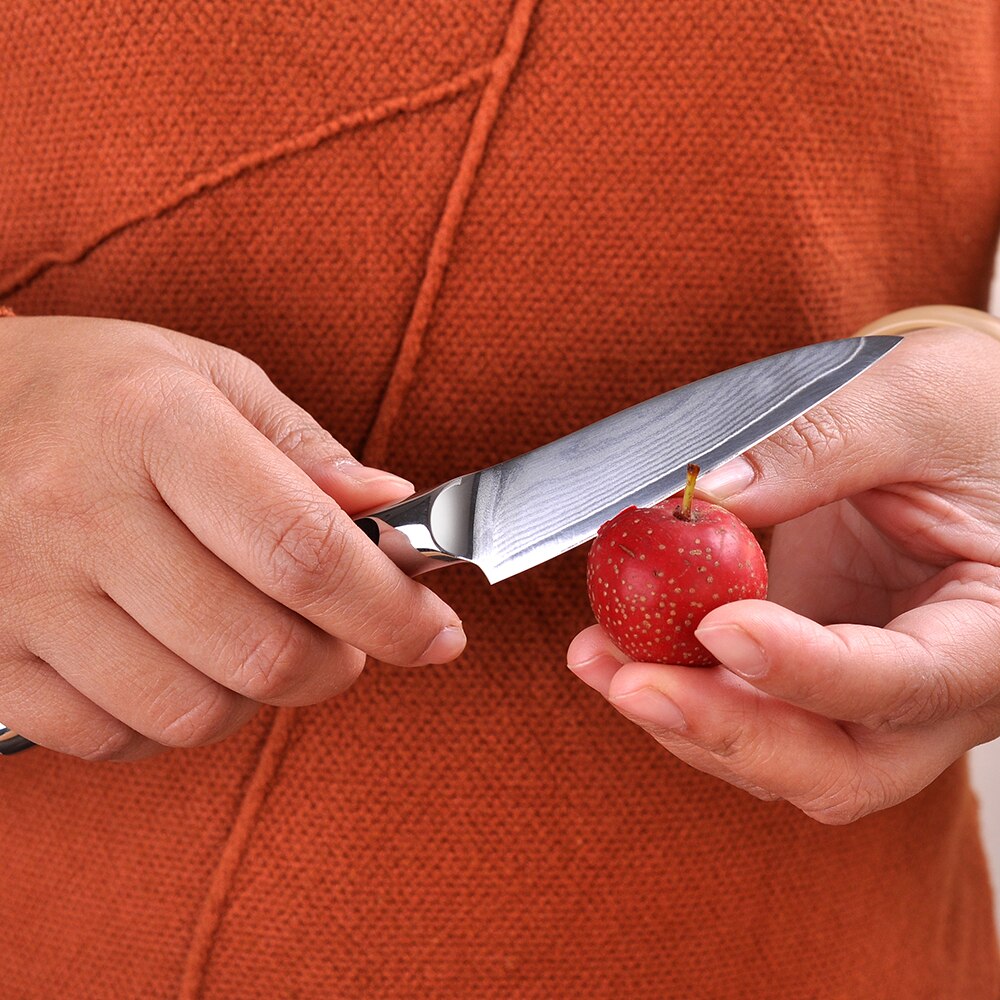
(728,479)
(735,649)
(445,646)
(365,475)
(596,671)
(651,706)
(600,660)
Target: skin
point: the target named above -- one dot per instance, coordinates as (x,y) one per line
(875,662)
(176,545)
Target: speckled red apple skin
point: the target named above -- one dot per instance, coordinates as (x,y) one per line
(652,577)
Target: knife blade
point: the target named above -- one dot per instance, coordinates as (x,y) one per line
(522,512)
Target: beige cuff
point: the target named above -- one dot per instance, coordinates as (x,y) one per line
(926,317)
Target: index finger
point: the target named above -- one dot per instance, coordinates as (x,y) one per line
(255,509)
(894,424)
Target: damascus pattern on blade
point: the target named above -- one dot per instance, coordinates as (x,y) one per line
(547,501)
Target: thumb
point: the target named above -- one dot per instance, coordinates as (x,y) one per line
(878,430)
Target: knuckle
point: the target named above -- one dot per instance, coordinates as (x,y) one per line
(303,553)
(918,703)
(925,697)
(353,669)
(836,812)
(272,668)
(48,476)
(227,364)
(43,480)
(763,794)
(144,392)
(224,362)
(142,409)
(730,742)
(349,667)
(402,637)
(112,744)
(204,721)
(845,800)
(816,437)
(290,438)
(757,791)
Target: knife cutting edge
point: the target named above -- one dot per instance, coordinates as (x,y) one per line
(527,510)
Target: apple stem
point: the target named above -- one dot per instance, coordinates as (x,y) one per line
(684,510)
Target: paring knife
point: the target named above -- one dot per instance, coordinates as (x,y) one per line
(522,512)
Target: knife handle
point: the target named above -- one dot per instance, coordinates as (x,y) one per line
(11,743)
(427,531)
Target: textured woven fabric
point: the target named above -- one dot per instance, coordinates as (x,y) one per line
(454,230)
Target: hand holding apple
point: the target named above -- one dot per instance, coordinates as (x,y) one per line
(874,664)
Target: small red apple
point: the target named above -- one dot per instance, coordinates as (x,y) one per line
(653,573)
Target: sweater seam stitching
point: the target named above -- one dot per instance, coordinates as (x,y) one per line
(215,903)
(438,258)
(20,277)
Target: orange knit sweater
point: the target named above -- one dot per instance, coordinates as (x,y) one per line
(453,230)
